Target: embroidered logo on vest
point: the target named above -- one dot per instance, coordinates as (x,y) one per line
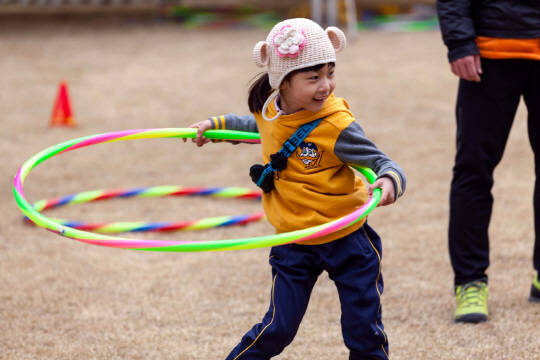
(310,155)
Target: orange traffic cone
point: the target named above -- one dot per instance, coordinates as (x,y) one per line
(62,114)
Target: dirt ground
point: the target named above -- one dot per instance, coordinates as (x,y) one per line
(60,299)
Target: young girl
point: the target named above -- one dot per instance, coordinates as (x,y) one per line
(316,186)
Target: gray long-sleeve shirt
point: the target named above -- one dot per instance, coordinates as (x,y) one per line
(351,147)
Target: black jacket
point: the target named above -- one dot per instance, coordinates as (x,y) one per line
(462,20)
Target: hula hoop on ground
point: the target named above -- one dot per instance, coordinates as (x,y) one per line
(155,191)
(175,246)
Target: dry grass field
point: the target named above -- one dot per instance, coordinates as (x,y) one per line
(60,299)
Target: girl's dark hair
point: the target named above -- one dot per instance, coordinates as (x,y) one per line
(260,90)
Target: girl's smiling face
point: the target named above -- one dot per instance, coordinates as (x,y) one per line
(307,89)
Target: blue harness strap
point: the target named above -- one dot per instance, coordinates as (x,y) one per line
(290,145)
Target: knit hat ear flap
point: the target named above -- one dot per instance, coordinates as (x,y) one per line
(260,54)
(337,38)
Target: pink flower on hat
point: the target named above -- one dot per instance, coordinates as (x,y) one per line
(289,41)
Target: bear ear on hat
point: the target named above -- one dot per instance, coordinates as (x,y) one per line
(337,37)
(260,54)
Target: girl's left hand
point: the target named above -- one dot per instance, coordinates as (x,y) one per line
(387,187)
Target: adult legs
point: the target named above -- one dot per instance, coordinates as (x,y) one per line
(294,273)
(353,263)
(531,96)
(484,112)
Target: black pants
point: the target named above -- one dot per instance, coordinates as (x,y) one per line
(485,112)
(353,263)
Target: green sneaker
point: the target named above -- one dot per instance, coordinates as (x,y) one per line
(535,290)
(471,301)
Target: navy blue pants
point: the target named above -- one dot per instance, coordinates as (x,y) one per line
(485,112)
(353,263)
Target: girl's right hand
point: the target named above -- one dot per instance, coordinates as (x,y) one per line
(202,126)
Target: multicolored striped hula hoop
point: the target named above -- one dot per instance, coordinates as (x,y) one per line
(155,191)
(173,246)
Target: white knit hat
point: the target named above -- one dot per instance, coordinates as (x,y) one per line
(295,44)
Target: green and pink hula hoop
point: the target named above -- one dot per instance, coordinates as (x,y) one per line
(174,246)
